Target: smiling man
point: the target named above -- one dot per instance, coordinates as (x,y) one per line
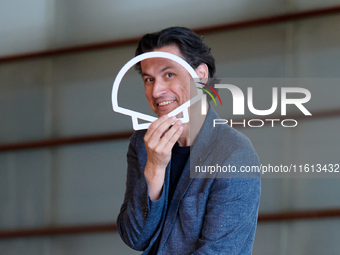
(164,210)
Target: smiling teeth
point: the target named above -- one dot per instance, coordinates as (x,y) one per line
(165,103)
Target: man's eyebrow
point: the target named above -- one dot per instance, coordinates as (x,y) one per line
(145,74)
(164,69)
(161,71)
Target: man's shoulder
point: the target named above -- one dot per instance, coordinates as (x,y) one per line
(137,144)
(137,136)
(235,138)
(223,134)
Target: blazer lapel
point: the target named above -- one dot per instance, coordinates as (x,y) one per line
(199,152)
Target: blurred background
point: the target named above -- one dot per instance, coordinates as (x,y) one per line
(63,149)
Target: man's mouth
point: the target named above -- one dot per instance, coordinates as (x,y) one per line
(165,103)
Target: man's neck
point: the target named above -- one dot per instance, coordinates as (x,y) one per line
(193,127)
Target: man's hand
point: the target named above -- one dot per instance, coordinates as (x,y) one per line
(159,140)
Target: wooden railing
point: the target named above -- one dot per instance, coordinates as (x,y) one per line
(112,227)
(63,141)
(287,17)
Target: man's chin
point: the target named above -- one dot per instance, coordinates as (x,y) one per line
(162,112)
(180,115)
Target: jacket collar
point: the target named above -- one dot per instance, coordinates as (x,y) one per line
(199,151)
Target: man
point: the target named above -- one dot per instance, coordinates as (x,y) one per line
(164,210)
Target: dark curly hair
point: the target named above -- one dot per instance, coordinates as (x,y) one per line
(192,48)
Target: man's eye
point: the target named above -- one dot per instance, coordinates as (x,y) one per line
(169,75)
(147,80)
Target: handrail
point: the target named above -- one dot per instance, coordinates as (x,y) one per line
(300,215)
(124,135)
(112,227)
(64,141)
(286,17)
(58,230)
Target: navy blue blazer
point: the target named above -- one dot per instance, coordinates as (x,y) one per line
(208,215)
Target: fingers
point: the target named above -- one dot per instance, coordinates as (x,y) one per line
(158,127)
(160,139)
(164,145)
(171,137)
(162,133)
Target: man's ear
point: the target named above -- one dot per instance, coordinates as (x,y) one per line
(202,72)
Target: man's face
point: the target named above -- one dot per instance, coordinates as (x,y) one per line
(166,83)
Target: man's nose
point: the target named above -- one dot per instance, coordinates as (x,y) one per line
(159,89)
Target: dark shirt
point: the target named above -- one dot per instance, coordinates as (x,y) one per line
(179,158)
